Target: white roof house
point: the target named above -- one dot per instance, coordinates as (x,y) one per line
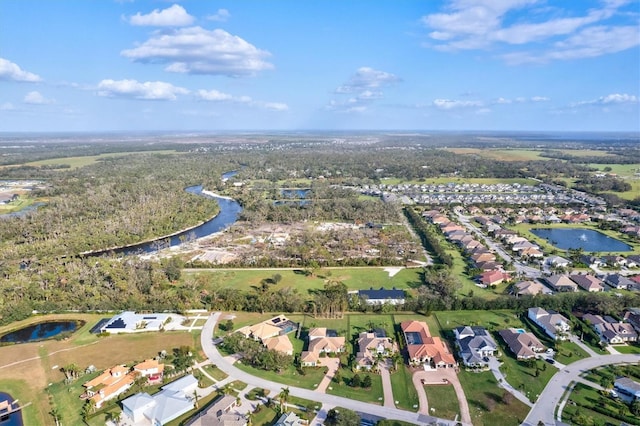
(131,322)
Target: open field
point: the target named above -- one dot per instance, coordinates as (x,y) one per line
(354,278)
(289,376)
(373,395)
(27,369)
(443,401)
(500,154)
(76,162)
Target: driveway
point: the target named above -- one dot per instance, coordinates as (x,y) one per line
(206,341)
(442,377)
(387,389)
(333,364)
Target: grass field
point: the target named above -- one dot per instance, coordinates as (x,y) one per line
(354,278)
(486,403)
(27,369)
(628,349)
(289,376)
(373,395)
(403,390)
(583,397)
(17,205)
(76,162)
(500,154)
(442,401)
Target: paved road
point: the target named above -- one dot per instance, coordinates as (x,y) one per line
(212,353)
(544,408)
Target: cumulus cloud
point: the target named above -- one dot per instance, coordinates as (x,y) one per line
(36,98)
(367,78)
(132,89)
(609,100)
(222,15)
(483,24)
(217,96)
(448,104)
(11,71)
(173,16)
(195,50)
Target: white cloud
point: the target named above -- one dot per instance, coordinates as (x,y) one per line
(36,98)
(195,50)
(149,90)
(217,96)
(367,78)
(609,100)
(483,24)
(222,15)
(502,101)
(448,104)
(173,16)
(540,99)
(11,71)
(7,106)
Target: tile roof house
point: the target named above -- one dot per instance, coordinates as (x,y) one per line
(588,282)
(109,384)
(281,344)
(475,344)
(494,277)
(380,297)
(524,345)
(561,283)
(554,324)
(174,400)
(423,349)
(151,369)
(529,288)
(483,257)
(371,347)
(612,331)
(321,340)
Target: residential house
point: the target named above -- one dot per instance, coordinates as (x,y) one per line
(614,261)
(588,282)
(280,344)
(321,340)
(475,344)
(524,345)
(371,347)
(483,257)
(531,252)
(219,413)
(554,324)
(558,262)
(151,369)
(380,297)
(619,282)
(517,247)
(423,349)
(611,331)
(174,400)
(591,261)
(109,384)
(561,283)
(529,288)
(628,387)
(489,266)
(131,322)
(290,419)
(632,316)
(494,277)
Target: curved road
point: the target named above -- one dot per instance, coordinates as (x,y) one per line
(544,408)
(206,340)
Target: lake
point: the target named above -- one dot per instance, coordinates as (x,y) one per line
(40,331)
(585,239)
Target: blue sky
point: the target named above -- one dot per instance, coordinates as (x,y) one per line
(103,65)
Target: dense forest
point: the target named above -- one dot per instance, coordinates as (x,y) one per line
(139,195)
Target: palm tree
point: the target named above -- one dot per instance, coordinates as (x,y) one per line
(56,415)
(195,398)
(284,397)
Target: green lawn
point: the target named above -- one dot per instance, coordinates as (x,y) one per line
(265,417)
(76,162)
(628,349)
(569,352)
(403,390)
(583,398)
(491,320)
(443,401)
(524,378)
(486,404)
(215,372)
(21,390)
(373,394)
(354,278)
(289,376)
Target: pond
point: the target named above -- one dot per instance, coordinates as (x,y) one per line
(585,239)
(14,419)
(295,193)
(40,331)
